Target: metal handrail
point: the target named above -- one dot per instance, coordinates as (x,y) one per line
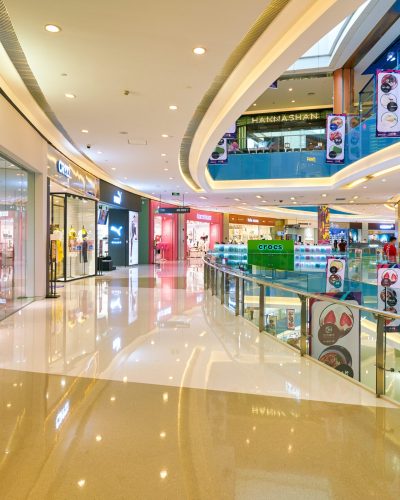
(327,298)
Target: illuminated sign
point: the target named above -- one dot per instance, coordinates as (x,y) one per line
(204,217)
(117,197)
(386,226)
(63,169)
(117,230)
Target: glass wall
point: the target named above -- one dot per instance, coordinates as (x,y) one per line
(72,235)
(15,292)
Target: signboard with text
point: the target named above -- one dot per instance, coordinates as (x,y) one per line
(387,103)
(271,254)
(389,292)
(173,210)
(335,138)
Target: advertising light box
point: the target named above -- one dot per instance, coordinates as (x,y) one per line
(271,254)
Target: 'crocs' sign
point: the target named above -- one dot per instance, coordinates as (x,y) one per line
(271,254)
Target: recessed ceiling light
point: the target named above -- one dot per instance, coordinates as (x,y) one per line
(164,135)
(125,178)
(203,197)
(99,152)
(163,154)
(355,197)
(171,178)
(165,169)
(290,90)
(244,203)
(84,131)
(292,198)
(255,104)
(70,96)
(237,199)
(113,168)
(258,196)
(173,107)
(364,187)
(293,100)
(263,201)
(351,201)
(294,202)
(52,28)
(199,51)
(323,195)
(383,180)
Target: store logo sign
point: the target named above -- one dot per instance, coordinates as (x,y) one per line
(64,169)
(271,246)
(386,226)
(250,219)
(117,230)
(117,197)
(204,217)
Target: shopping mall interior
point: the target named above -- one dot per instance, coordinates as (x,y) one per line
(199,250)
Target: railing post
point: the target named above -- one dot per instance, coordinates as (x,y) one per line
(242,285)
(380,356)
(222,288)
(213,272)
(303,325)
(261,320)
(237,296)
(205,270)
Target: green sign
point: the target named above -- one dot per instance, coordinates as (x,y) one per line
(176,194)
(271,254)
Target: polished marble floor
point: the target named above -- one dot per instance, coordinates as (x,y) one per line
(137,385)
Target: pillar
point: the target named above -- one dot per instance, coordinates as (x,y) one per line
(364,231)
(343,91)
(323,225)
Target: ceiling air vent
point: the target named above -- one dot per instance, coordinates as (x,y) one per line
(340,199)
(137,142)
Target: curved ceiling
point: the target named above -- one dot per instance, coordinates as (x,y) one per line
(299,26)
(126,63)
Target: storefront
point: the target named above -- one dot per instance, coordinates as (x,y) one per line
(243,228)
(379,234)
(202,231)
(16,229)
(117,227)
(73,207)
(288,131)
(163,232)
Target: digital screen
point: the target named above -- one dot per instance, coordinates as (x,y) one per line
(103,216)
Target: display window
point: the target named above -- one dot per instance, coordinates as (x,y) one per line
(164,234)
(203,230)
(72,235)
(15,256)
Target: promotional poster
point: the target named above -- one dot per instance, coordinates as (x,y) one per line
(133,239)
(335,138)
(290,317)
(335,331)
(335,273)
(323,225)
(387,103)
(388,292)
(220,153)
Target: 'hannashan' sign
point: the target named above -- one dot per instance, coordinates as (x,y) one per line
(300,116)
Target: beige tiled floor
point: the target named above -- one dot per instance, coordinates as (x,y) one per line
(134,386)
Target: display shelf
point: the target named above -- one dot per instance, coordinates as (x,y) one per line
(232,255)
(311,258)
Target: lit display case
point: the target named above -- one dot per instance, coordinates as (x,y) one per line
(311,258)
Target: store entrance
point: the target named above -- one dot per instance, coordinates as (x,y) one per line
(198,237)
(72,234)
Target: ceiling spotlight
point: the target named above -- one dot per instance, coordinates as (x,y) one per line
(292,198)
(364,187)
(293,100)
(258,196)
(164,136)
(199,51)
(294,202)
(323,195)
(125,178)
(165,169)
(237,199)
(355,197)
(383,180)
(84,131)
(244,203)
(163,154)
(171,178)
(70,96)
(113,168)
(263,201)
(290,90)
(351,201)
(52,28)
(203,197)
(99,152)
(255,104)
(173,107)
